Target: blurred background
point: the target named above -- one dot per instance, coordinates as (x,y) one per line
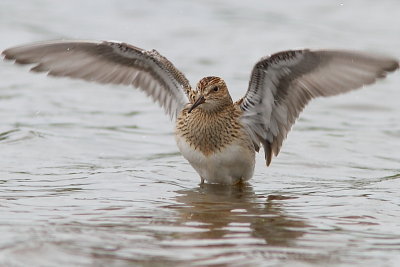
(90,175)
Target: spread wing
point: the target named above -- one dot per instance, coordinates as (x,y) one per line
(281,85)
(108,62)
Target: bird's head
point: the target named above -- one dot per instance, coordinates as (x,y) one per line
(212,95)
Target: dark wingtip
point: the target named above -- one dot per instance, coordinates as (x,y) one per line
(268,161)
(393,66)
(268,153)
(7,55)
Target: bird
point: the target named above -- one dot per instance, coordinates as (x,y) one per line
(219,137)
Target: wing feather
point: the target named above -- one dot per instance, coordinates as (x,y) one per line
(108,62)
(281,86)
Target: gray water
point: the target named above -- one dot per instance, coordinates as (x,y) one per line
(90,175)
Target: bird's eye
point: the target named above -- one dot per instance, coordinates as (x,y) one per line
(216,88)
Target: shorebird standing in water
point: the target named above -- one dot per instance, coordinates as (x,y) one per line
(217,136)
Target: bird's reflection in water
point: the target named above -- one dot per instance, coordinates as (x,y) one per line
(224,212)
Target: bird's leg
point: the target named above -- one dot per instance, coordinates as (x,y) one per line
(202,180)
(238,182)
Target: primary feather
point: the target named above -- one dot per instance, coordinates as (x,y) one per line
(109,62)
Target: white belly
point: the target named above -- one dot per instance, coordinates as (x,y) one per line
(232,164)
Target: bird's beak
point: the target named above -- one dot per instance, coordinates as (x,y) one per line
(198,102)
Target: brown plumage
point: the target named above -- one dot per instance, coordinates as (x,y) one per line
(211,129)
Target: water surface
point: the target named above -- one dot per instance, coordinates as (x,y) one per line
(90,175)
